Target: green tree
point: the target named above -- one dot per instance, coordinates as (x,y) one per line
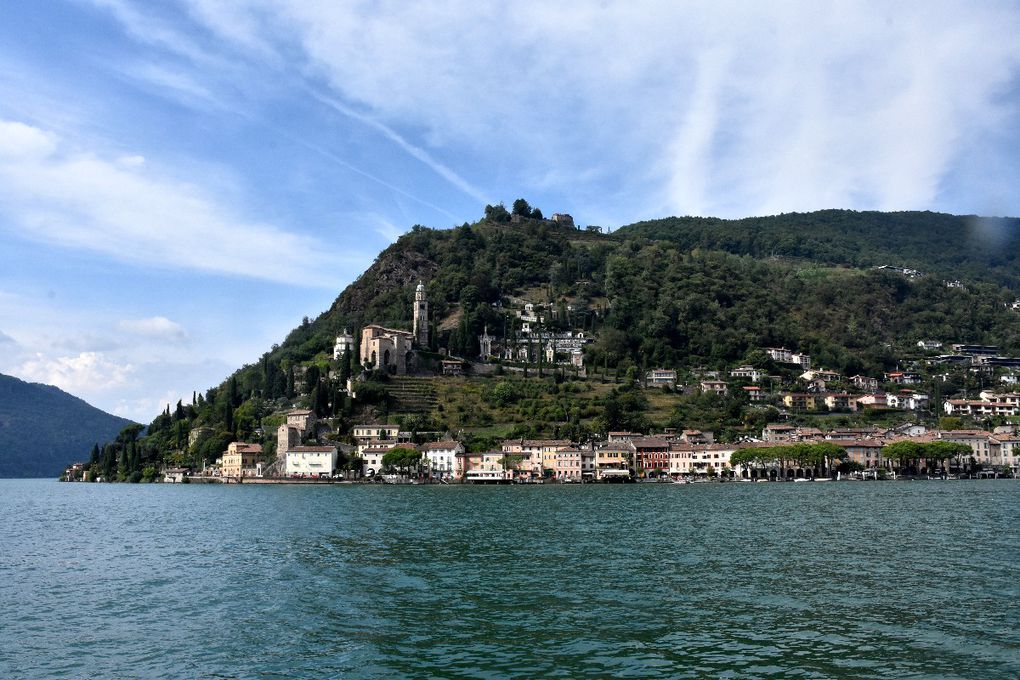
(402,458)
(522,208)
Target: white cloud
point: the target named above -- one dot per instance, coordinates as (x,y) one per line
(20,141)
(708,107)
(133,213)
(6,339)
(144,409)
(88,372)
(157,327)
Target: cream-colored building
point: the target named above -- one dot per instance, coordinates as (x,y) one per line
(613,458)
(566,465)
(538,454)
(374,433)
(488,466)
(241,460)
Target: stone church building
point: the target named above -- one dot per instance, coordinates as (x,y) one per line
(389,348)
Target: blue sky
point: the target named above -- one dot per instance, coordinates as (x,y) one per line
(181,182)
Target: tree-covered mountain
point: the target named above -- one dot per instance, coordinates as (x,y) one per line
(43,429)
(648,297)
(948,246)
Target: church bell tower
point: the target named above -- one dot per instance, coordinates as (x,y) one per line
(421,316)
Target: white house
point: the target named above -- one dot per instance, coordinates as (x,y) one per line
(311,461)
(372,455)
(748,372)
(661,376)
(344,343)
(441,458)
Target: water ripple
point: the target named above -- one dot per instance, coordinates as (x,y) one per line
(896,580)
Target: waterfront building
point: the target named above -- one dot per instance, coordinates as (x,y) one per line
(371,455)
(538,455)
(979,441)
(650,454)
(613,457)
(566,465)
(441,458)
(311,461)
(241,460)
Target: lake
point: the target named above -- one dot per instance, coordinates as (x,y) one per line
(839,580)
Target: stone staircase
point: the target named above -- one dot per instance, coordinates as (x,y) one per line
(412,394)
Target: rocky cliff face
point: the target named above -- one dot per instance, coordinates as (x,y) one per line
(394,273)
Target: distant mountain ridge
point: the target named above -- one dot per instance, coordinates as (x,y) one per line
(43,429)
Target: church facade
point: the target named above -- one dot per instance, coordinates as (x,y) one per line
(390,349)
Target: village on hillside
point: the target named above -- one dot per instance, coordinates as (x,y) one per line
(930,437)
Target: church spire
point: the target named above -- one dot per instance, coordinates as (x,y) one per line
(421,316)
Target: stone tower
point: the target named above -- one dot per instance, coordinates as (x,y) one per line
(421,316)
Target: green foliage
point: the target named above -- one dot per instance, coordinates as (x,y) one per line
(950,423)
(947,246)
(503,393)
(908,454)
(402,458)
(814,456)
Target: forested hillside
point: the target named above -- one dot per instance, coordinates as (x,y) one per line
(43,429)
(948,246)
(656,294)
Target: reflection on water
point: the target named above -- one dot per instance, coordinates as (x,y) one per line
(854,580)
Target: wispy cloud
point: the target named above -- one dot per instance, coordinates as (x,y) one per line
(385,228)
(132,213)
(146,26)
(416,152)
(168,80)
(720,107)
(6,339)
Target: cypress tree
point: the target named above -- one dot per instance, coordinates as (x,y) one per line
(228,416)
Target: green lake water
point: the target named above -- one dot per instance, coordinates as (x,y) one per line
(838,580)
